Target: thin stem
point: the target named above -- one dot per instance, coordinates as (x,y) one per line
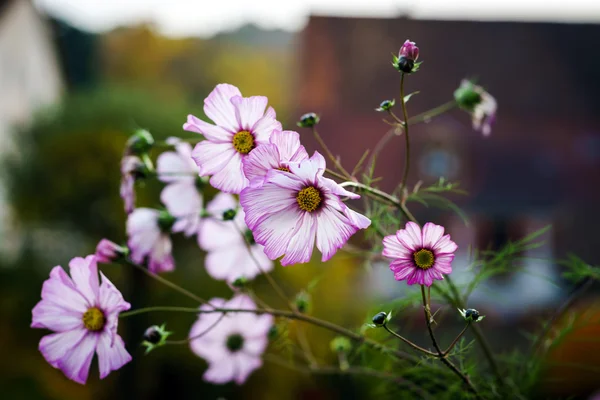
(329,154)
(168,283)
(333,173)
(379,194)
(411,344)
(434,112)
(485,346)
(406,140)
(442,356)
(456,340)
(198,336)
(284,314)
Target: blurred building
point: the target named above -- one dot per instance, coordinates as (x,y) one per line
(540,165)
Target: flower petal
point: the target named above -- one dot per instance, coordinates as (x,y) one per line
(84,273)
(56,346)
(245,365)
(260,161)
(249,110)
(410,237)
(76,363)
(309,171)
(59,289)
(431,234)
(218,107)
(214,133)
(392,248)
(445,245)
(264,127)
(221,371)
(302,242)
(333,231)
(49,315)
(275,230)
(288,144)
(230,178)
(212,157)
(112,355)
(268,199)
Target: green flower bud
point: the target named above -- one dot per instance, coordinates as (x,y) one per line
(467,96)
(386,105)
(165,221)
(155,336)
(308,120)
(273,332)
(229,215)
(380,319)
(302,302)
(240,282)
(471,315)
(140,142)
(340,344)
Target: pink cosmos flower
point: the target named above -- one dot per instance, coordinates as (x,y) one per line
(181,196)
(228,256)
(130,168)
(233,347)
(148,232)
(294,208)
(283,148)
(84,315)
(420,256)
(241,124)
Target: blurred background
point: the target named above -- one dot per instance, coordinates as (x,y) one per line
(77,77)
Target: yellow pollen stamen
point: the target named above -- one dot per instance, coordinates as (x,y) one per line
(309,199)
(94,319)
(243,142)
(424,258)
(284,169)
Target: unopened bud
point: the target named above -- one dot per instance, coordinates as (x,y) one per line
(155,336)
(166,221)
(409,51)
(302,302)
(108,252)
(140,142)
(240,282)
(308,120)
(229,215)
(380,319)
(340,344)
(471,315)
(386,105)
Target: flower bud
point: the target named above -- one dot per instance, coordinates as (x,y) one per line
(140,142)
(165,221)
(308,120)
(273,332)
(380,319)
(467,96)
(108,252)
(386,105)
(340,344)
(240,282)
(229,215)
(409,51)
(471,315)
(155,336)
(302,302)
(405,65)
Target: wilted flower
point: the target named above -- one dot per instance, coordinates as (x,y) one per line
(108,252)
(233,343)
(480,104)
(308,120)
(420,256)
(294,208)
(181,196)
(148,232)
(471,315)
(241,126)
(84,314)
(132,168)
(226,242)
(283,148)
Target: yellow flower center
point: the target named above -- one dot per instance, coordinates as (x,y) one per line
(285,169)
(243,142)
(309,199)
(93,319)
(424,258)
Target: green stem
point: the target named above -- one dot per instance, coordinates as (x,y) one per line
(168,283)
(434,112)
(379,194)
(329,154)
(411,344)
(457,338)
(403,182)
(284,314)
(441,355)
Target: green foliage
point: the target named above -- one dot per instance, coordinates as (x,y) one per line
(576,270)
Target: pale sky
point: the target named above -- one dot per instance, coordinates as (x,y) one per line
(207,17)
